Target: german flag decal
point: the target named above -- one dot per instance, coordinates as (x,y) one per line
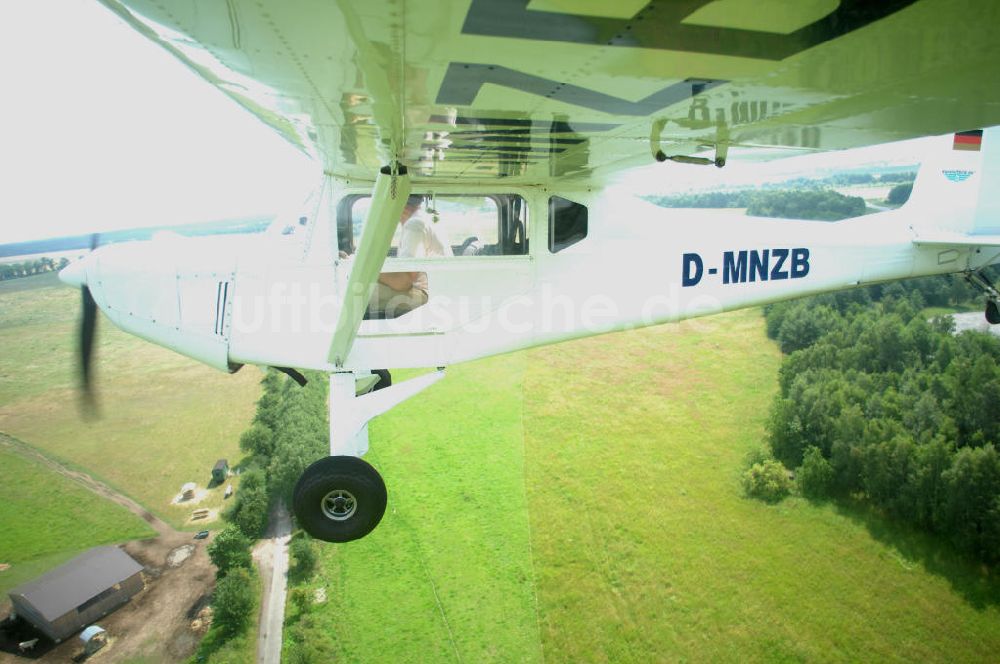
(969,140)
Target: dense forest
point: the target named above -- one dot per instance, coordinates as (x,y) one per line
(881,404)
(876,403)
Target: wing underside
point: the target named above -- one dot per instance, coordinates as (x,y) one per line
(546,90)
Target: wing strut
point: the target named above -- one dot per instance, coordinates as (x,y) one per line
(721,148)
(392,187)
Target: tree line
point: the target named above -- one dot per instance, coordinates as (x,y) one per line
(798,198)
(849,178)
(32,267)
(820,204)
(878,404)
(288,432)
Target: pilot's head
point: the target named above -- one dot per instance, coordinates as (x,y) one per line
(411,206)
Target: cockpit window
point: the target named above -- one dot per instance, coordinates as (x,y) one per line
(567,223)
(470,224)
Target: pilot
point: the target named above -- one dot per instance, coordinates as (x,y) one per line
(399,292)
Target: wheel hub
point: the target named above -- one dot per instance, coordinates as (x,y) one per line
(339,505)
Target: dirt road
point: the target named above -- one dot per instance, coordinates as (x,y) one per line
(156,624)
(88,482)
(271,555)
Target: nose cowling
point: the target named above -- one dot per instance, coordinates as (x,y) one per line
(176,292)
(75,274)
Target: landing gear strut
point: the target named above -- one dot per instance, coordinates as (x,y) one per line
(992,295)
(341,497)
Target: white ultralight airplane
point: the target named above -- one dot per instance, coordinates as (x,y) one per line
(509,119)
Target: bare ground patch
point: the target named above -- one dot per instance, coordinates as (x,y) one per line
(157,623)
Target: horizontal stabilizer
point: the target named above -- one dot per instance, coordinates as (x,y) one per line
(956,240)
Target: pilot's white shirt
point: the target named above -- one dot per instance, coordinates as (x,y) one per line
(421,238)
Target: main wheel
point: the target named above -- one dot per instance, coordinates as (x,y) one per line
(339,499)
(992,313)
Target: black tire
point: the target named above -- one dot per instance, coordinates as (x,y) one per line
(992,313)
(339,499)
(384,379)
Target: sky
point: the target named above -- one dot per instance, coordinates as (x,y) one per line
(100,129)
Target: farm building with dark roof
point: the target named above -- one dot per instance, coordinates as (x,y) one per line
(70,597)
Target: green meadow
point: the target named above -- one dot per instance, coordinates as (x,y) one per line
(573,503)
(47,518)
(582,503)
(163,419)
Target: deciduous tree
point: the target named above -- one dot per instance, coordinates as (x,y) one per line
(233,601)
(230,549)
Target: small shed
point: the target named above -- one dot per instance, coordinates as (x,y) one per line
(77,593)
(220,471)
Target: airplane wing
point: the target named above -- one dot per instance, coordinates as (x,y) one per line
(542,90)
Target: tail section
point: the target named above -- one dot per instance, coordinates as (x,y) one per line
(955,209)
(957,190)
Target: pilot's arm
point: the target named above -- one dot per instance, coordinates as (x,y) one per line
(398,281)
(411,245)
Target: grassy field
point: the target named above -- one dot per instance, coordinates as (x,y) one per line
(48,518)
(448,575)
(164,419)
(47,280)
(574,503)
(581,503)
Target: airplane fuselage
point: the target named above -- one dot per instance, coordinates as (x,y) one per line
(275,300)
